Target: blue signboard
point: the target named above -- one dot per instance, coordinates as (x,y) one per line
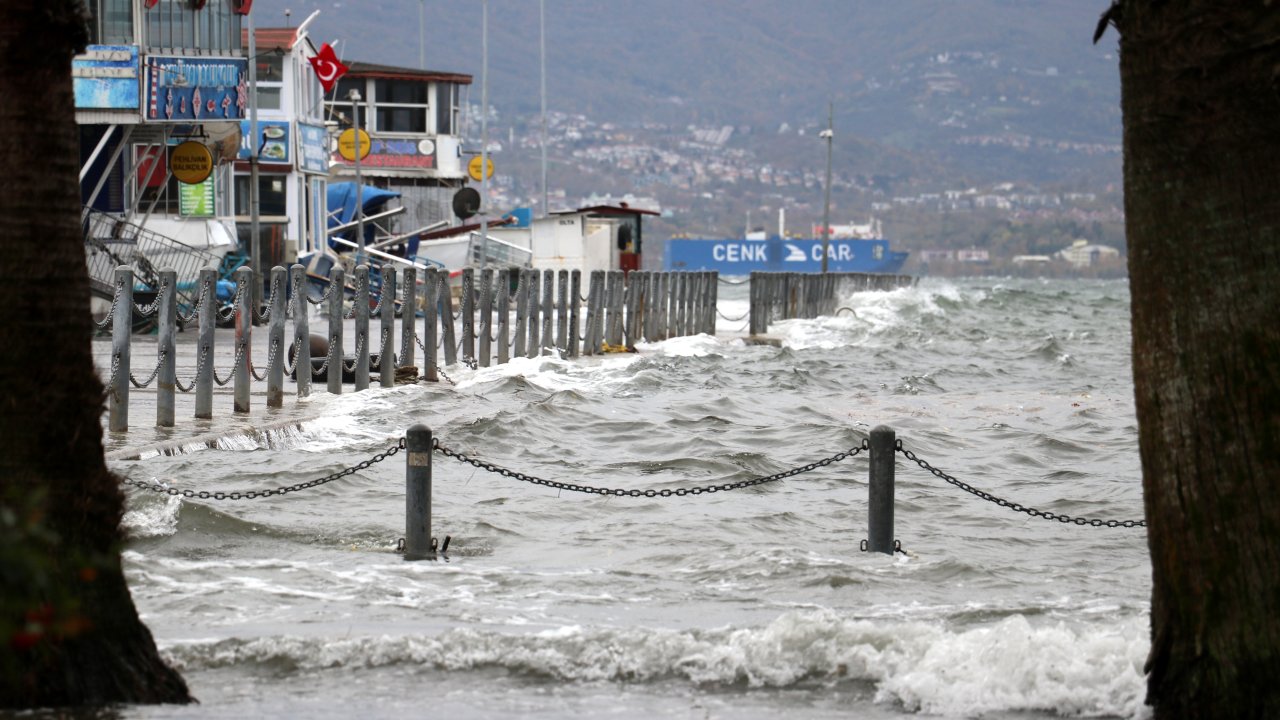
(273,141)
(186,89)
(313,148)
(740,257)
(105,77)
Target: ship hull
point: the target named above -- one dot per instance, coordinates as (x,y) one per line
(740,257)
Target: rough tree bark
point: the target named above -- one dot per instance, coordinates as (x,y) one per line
(1200,86)
(69,632)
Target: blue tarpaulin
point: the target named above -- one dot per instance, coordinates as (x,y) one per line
(341,202)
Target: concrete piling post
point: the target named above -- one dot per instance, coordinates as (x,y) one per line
(275,340)
(301,331)
(531,324)
(207,312)
(562,312)
(387,332)
(883,443)
(590,345)
(408,313)
(362,328)
(712,308)
(244,339)
(575,294)
(522,311)
(548,310)
(337,283)
(504,316)
(121,330)
(616,298)
(166,345)
(486,317)
(469,313)
(417,531)
(446,321)
(430,321)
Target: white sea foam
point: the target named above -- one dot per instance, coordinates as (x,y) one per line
(1082,670)
(152,515)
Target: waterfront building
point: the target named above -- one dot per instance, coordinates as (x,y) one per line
(413,119)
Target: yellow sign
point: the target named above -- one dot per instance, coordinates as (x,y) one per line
(191,162)
(347,144)
(473,168)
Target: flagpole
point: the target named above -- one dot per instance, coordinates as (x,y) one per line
(484,133)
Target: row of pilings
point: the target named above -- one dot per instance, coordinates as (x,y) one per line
(500,315)
(790,295)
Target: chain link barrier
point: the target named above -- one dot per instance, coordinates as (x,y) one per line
(149,310)
(254,494)
(650,493)
(111,313)
(1033,512)
(195,306)
(154,372)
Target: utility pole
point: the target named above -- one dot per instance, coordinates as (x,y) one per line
(422,34)
(255,201)
(355,125)
(542,46)
(827,135)
(484,133)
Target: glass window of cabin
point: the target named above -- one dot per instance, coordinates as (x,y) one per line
(446,108)
(401,120)
(113,22)
(177,25)
(272,195)
(401,106)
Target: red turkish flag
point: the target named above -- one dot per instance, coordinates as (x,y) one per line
(328,67)
(239,7)
(151,3)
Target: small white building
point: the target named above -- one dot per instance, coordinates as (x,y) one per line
(601,237)
(1083,254)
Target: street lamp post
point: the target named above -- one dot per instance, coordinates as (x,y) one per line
(355,126)
(484,133)
(827,135)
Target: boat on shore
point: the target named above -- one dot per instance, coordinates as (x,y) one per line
(850,248)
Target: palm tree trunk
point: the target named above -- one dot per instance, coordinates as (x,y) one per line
(1202,166)
(69,632)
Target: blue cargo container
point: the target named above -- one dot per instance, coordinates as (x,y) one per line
(740,257)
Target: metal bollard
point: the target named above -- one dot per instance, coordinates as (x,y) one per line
(276,359)
(430,321)
(336,290)
(208,312)
(386,355)
(417,508)
(446,321)
(362,328)
(301,332)
(883,443)
(121,329)
(167,377)
(468,314)
(244,339)
(408,310)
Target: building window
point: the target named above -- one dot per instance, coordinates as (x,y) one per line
(270,80)
(402,106)
(272,196)
(446,108)
(176,24)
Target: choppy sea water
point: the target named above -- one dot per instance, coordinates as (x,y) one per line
(751,603)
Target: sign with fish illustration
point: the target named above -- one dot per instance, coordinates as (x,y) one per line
(196,89)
